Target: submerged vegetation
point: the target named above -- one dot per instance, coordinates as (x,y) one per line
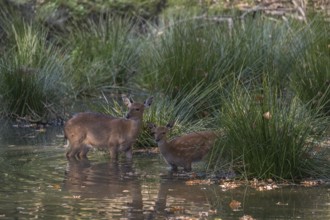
(263,80)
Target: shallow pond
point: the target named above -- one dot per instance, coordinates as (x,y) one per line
(37,181)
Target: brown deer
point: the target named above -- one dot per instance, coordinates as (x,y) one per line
(183,150)
(87,130)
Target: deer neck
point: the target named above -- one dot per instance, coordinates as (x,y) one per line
(134,126)
(163,146)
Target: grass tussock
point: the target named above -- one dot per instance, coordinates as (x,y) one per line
(270,135)
(32,75)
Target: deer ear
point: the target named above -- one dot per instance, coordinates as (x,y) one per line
(128,101)
(148,102)
(170,124)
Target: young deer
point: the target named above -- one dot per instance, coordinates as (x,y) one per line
(87,130)
(183,150)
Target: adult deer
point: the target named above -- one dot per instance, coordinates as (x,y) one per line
(87,130)
(183,150)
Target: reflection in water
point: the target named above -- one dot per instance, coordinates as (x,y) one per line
(113,183)
(121,191)
(177,198)
(37,181)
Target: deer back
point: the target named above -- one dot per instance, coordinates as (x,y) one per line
(193,146)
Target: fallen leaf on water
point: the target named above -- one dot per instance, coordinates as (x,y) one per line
(56,186)
(173,209)
(183,218)
(203,214)
(234,205)
(213,212)
(246,217)
(41,130)
(199,182)
(310,183)
(229,185)
(270,180)
(266,187)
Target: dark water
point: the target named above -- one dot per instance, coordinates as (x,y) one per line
(37,182)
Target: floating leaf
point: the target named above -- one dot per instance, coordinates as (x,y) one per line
(234,205)
(173,209)
(310,183)
(229,185)
(199,182)
(246,217)
(203,214)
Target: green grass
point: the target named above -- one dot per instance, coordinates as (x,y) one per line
(311,78)
(103,55)
(180,56)
(276,147)
(32,81)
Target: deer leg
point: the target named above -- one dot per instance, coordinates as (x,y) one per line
(129,154)
(73,151)
(114,153)
(83,153)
